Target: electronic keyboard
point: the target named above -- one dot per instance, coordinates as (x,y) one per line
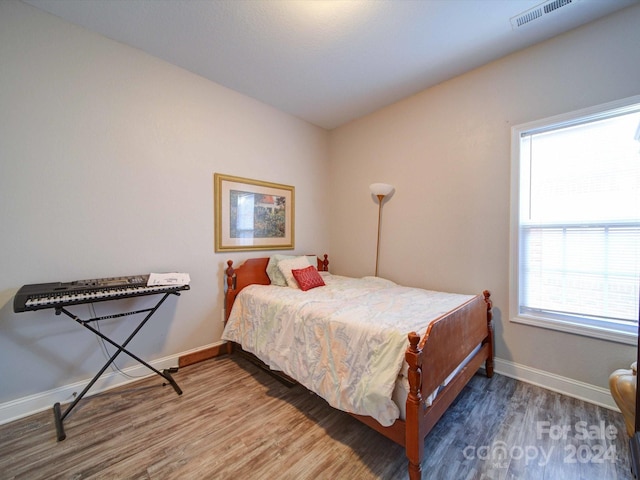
(58,294)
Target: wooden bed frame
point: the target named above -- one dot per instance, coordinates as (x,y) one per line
(447,342)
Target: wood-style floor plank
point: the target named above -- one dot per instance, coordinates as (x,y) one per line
(236,421)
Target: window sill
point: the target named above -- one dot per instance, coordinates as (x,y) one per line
(629,337)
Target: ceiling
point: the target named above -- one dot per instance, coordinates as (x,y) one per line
(327,61)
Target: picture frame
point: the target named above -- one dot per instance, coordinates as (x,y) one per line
(252,214)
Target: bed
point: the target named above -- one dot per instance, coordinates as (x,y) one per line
(440,349)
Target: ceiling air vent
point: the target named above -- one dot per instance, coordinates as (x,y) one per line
(539,11)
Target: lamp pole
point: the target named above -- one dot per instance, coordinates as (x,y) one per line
(380,190)
(380,199)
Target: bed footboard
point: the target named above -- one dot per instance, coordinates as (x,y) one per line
(470,326)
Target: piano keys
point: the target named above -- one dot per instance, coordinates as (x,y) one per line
(59,294)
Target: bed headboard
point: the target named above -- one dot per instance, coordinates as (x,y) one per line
(253,271)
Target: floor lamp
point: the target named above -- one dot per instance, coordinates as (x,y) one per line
(380,190)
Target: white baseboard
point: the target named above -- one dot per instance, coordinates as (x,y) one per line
(22,407)
(556,383)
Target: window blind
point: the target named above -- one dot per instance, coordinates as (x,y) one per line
(579,220)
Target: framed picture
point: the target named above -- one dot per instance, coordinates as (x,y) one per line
(252,215)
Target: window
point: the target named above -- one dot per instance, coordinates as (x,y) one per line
(575,229)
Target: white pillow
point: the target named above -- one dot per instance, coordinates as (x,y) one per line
(274,273)
(285,267)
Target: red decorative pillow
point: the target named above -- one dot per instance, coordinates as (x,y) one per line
(307,278)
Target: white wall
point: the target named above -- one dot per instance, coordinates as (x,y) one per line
(447,151)
(107,158)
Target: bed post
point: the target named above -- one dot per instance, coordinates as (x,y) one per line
(489,340)
(323,265)
(229,297)
(414,435)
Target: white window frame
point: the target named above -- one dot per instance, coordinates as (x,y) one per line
(579,327)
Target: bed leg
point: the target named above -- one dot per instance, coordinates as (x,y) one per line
(488,366)
(414,442)
(415,472)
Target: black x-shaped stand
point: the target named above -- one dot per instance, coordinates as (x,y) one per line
(166,374)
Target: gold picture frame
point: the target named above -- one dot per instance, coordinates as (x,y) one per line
(252,214)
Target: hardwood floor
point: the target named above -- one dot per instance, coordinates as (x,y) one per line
(236,421)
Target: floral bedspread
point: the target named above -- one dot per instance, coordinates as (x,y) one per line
(344,341)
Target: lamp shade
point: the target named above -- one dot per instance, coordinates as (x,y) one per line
(381,188)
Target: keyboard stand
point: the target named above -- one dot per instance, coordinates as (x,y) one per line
(166,374)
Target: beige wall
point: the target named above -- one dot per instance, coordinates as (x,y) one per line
(447,151)
(107,158)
